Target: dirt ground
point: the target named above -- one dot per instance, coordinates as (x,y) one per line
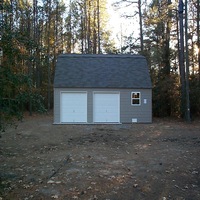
(157,161)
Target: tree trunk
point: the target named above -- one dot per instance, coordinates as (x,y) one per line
(198,37)
(141,27)
(187,66)
(82,33)
(94,34)
(181,59)
(36,64)
(98,24)
(85,26)
(48,57)
(89,28)
(70,28)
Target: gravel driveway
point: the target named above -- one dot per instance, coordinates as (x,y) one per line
(157,161)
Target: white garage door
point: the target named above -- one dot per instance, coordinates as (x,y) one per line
(106,107)
(73,107)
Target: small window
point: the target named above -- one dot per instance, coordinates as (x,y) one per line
(135,98)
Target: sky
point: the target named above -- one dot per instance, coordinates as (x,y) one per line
(121,26)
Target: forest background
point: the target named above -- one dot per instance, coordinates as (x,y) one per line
(33,33)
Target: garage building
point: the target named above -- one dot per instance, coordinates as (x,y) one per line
(102,89)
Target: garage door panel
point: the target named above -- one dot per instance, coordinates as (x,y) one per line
(106,107)
(73,107)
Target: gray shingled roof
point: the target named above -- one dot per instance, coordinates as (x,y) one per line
(101,71)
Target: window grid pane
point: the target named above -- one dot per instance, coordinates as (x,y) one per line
(135,98)
(135,101)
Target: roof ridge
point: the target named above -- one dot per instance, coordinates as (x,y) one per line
(103,55)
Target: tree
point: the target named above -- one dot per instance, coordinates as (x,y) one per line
(15,79)
(86,25)
(198,35)
(128,3)
(187,109)
(158,24)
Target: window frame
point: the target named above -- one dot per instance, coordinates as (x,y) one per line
(132,98)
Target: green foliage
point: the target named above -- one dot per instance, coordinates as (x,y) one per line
(17,91)
(166,95)
(15,94)
(161,47)
(195,95)
(37,101)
